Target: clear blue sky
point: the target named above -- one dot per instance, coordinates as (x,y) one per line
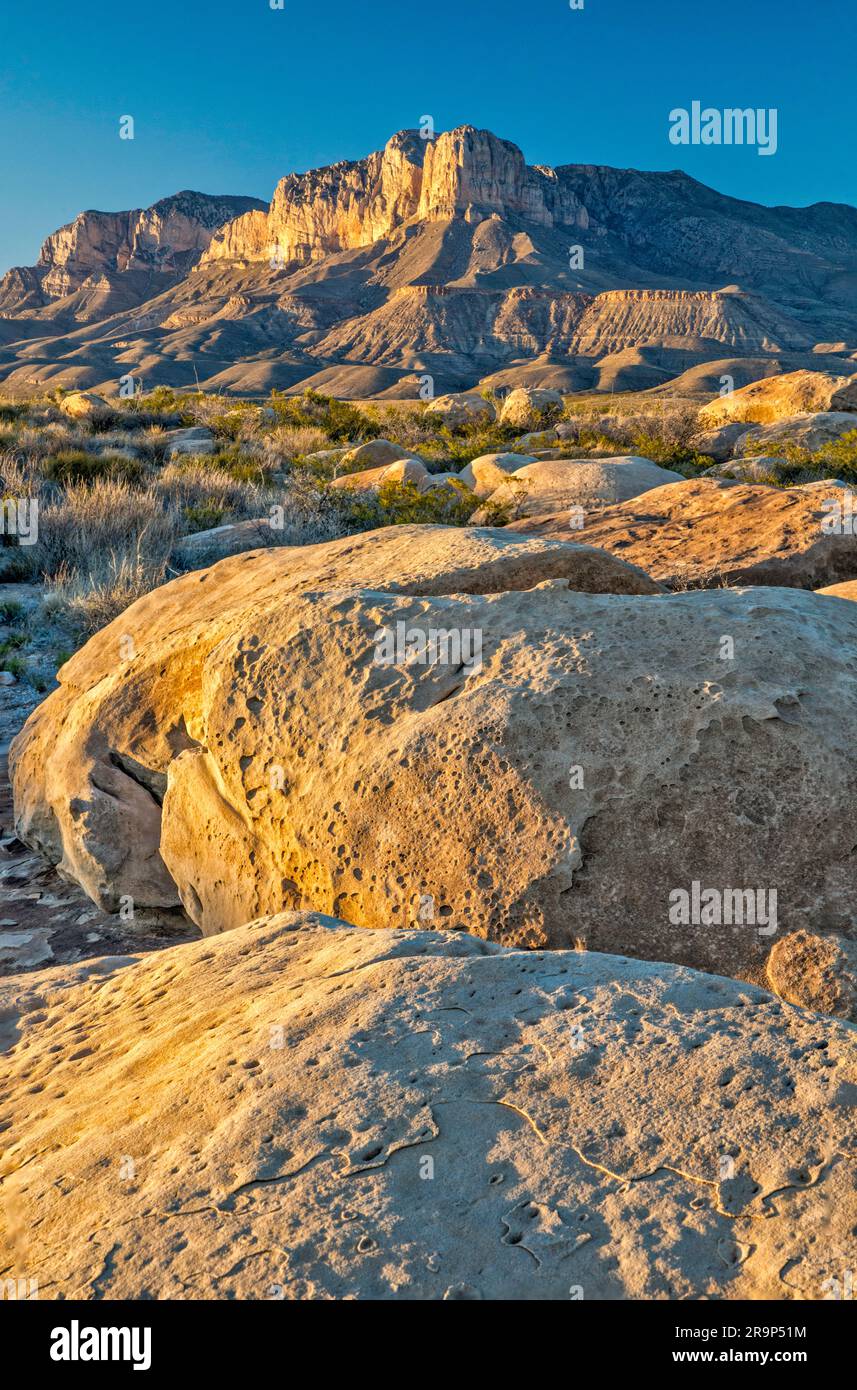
(227,97)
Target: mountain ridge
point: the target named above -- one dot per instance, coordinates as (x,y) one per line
(451,257)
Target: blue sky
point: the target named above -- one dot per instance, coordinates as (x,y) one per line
(228,97)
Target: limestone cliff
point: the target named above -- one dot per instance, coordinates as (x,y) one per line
(464,172)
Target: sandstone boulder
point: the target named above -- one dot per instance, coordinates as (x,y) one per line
(546,486)
(808,431)
(374,454)
(405,471)
(846,590)
(301,1080)
(84,405)
(207,547)
(279,744)
(529,407)
(91,765)
(710,531)
(720,443)
(778,396)
(752,470)
(487,468)
(816,972)
(464,408)
(196,440)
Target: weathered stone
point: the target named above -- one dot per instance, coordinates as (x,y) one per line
(84,405)
(374,454)
(543,488)
(196,440)
(466,408)
(776,397)
(528,407)
(719,444)
(817,972)
(302,1082)
(807,431)
(405,471)
(710,531)
(90,766)
(477,474)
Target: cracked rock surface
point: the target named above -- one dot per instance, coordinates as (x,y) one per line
(302,1109)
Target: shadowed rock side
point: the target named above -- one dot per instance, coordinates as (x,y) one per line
(603,754)
(330,1113)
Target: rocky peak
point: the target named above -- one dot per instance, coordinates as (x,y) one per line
(170,235)
(465,172)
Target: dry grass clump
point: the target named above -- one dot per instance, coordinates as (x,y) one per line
(89,602)
(108,518)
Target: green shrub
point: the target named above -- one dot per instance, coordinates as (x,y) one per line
(402,504)
(78,466)
(11,612)
(341,421)
(15,665)
(204,516)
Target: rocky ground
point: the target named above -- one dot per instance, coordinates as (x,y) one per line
(300,1109)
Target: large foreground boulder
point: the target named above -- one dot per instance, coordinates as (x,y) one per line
(551,484)
(91,765)
(306,1111)
(711,531)
(534,765)
(778,396)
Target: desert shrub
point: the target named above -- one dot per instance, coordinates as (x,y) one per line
(203,516)
(670,454)
(107,519)
(398,504)
(18,478)
(15,665)
(11,612)
(164,405)
(839,458)
(78,466)
(88,601)
(340,420)
(151,442)
(459,447)
(287,443)
(197,487)
(245,465)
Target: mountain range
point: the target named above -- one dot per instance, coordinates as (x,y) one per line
(448,257)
